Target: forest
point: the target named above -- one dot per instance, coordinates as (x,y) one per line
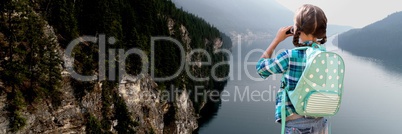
(31,61)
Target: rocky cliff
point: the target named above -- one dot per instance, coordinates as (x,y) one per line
(38,95)
(140,96)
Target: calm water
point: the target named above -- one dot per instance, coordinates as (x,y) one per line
(370,105)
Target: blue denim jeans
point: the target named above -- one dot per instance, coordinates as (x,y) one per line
(307,126)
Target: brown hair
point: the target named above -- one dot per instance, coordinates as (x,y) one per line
(310,19)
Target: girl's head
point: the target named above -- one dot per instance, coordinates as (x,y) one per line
(310,24)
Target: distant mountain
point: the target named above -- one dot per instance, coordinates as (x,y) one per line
(256,16)
(252,19)
(380,40)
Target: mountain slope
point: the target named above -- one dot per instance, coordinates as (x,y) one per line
(227,15)
(257,19)
(380,40)
(38,94)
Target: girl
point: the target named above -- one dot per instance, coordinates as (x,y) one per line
(310,24)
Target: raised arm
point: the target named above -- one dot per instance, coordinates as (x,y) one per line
(280,36)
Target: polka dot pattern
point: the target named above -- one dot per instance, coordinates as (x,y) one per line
(327,72)
(324,76)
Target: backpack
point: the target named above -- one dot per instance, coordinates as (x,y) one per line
(318,92)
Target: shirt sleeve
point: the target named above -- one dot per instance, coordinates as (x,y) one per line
(268,66)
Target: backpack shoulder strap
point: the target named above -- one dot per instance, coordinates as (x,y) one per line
(301,48)
(314,45)
(283,111)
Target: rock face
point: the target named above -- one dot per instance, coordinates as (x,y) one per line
(143,103)
(140,95)
(148,109)
(142,99)
(68,118)
(186,120)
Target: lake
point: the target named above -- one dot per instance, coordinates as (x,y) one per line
(370,103)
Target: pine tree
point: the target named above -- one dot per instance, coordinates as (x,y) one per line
(61,15)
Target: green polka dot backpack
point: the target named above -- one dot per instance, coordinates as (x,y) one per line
(319,90)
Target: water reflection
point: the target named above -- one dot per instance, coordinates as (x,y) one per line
(208,113)
(392,66)
(234,115)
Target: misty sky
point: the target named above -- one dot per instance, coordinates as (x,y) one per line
(355,13)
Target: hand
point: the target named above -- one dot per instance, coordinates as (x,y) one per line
(281,35)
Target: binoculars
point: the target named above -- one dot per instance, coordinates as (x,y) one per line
(291,31)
